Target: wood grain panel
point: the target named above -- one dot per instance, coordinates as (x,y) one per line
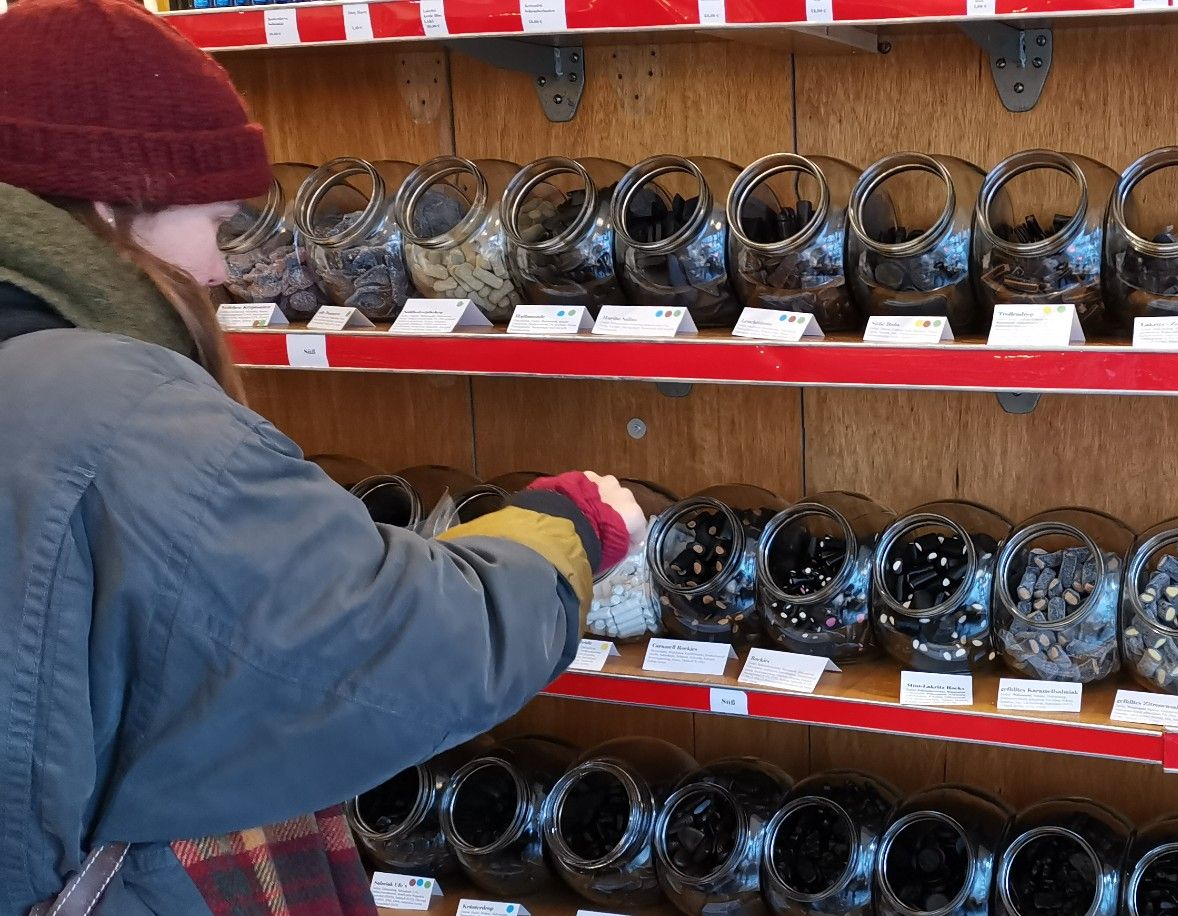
(716,434)
(786,745)
(588,724)
(908,763)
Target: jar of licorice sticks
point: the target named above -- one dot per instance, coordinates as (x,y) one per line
(933,574)
(814,574)
(702,555)
(1149,608)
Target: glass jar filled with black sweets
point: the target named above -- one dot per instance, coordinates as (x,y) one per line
(787,217)
(1057,595)
(702,555)
(709,836)
(820,848)
(672,235)
(600,816)
(1039,232)
(1064,858)
(939,854)
(814,574)
(1149,608)
(1151,870)
(933,575)
(910,221)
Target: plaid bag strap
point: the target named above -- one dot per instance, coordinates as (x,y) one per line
(81,895)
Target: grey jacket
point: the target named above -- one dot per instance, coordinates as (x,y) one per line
(202,633)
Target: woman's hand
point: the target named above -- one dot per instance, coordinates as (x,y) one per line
(622,501)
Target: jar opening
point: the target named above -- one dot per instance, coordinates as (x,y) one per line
(340,202)
(389,500)
(695,546)
(926,865)
(1153,581)
(661,204)
(1053,871)
(779,203)
(395,805)
(550,204)
(1033,203)
(812,849)
(254,223)
(1154,881)
(1143,201)
(902,205)
(485,810)
(593,816)
(807,552)
(479,501)
(925,565)
(1050,575)
(442,203)
(702,831)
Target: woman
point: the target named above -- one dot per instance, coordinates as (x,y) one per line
(201,632)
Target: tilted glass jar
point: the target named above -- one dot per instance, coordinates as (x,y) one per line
(1017,258)
(1140,242)
(263,254)
(908,248)
(940,852)
(1151,870)
(819,854)
(599,818)
(397,824)
(458,250)
(709,836)
(814,575)
(1057,595)
(1149,608)
(491,815)
(390,500)
(472,498)
(344,213)
(787,219)
(1064,858)
(671,237)
(931,586)
(702,555)
(560,238)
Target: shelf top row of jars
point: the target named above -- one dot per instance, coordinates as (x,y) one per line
(913,234)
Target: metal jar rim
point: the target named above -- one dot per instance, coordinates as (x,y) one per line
(662,528)
(778,822)
(773,529)
(518,823)
(1133,576)
(757,174)
(1008,856)
(870,181)
(638,826)
(265,226)
(1133,882)
(639,177)
(526,180)
(331,175)
(370,485)
(885,847)
(427,793)
(1019,164)
(423,178)
(1138,171)
(743,831)
(1020,539)
(905,525)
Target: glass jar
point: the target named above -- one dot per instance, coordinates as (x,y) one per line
(516,481)
(909,223)
(819,853)
(1056,595)
(472,498)
(491,815)
(933,575)
(390,500)
(264,259)
(671,237)
(346,470)
(1140,243)
(397,825)
(1149,608)
(344,212)
(449,211)
(814,575)
(599,819)
(702,555)
(709,836)
(1151,870)
(939,854)
(787,218)
(1064,859)
(560,237)
(1049,251)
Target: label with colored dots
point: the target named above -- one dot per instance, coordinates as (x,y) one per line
(643,321)
(490,908)
(1022,326)
(541,320)
(907,329)
(769,324)
(404,892)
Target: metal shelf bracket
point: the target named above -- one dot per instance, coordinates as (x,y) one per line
(1020,60)
(558,73)
(1017,402)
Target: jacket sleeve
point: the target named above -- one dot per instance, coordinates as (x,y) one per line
(313,654)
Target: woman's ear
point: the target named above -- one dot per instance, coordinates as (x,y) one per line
(105,211)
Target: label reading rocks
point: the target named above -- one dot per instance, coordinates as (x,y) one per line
(593,654)
(433,18)
(911,329)
(711,12)
(1145,708)
(357,22)
(403,892)
(1035,326)
(728,702)
(787,670)
(337,318)
(282,27)
(489,908)
(1155,333)
(1041,696)
(438,316)
(235,317)
(643,321)
(543,15)
(549,319)
(767,324)
(920,689)
(680,656)
(820,10)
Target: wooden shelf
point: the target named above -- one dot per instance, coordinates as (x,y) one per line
(552,903)
(865,697)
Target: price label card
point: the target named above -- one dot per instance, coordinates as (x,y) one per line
(681,656)
(433,18)
(404,892)
(1155,333)
(920,689)
(907,329)
(786,670)
(1041,696)
(643,321)
(357,22)
(549,319)
(238,316)
(1035,326)
(593,654)
(1145,708)
(729,702)
(337,318)
(767,324)
(543,15)
(980,8)
(438,316)
(489,908)
(712,12)
(282,27)
(307,351)
(820,10)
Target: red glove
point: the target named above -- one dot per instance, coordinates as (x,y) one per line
(606,521)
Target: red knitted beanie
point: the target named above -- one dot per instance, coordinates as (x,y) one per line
(102,100)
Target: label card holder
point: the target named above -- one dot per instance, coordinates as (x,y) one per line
(1155,333)
(643,321)
(785,670)
(592,655)
(404,892)
(337,318)
(1024,326)
(549,319)
(357,22)
(908,329)
(306,351)
(1041,696)
(820,10)
(236,316)
(728,702)
(490,908)
(438,316)
(1145,708)
(767,324)
(920,688)
(712,12)
(543,15)
(682,656)
(282,27)
(433,18)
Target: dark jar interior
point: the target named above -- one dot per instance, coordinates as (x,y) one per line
(472,498)
(1149,609)
(1151,870)
(390,500)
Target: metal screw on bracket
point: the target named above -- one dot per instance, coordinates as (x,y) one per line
(636,428)
(1000,63)
(1041,40)
(1037,63)
(558,98)
(541,81)
(1019,87)
(885,47)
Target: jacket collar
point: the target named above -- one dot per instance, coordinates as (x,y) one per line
(23,313)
